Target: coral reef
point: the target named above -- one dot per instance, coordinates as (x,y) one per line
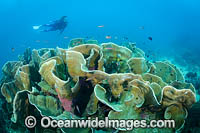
(176,103)
(94,80)
(138,65)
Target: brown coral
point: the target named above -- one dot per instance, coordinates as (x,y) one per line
(157,90)
(75,63)
(146,93)
(179,74)
(11,67)
(165,71)
(176,113)
(93,59)
(115,58)
(171,95)
(138,65)
(41,55)
(46,71)
(22,77)
(138,95)
(101,62)
(153,78)
(85,49)
(113,52)
(104,80)
(47,105)
(119,82)
(76,42)
(20,106)
(183,85)
(9,91)
(175,103)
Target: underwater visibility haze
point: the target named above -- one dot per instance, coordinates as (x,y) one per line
(121,59)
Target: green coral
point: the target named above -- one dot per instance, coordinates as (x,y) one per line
(100,93)
(47,105)
(165,71)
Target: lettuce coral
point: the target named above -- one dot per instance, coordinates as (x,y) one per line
(96,80)
(138,65)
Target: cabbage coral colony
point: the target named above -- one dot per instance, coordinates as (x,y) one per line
(95,80)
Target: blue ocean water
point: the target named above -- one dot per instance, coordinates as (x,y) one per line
(172,24)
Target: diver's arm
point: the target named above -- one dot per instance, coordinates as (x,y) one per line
(52,23)
(46,25)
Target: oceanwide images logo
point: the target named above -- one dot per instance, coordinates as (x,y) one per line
(30,122)
(47,122)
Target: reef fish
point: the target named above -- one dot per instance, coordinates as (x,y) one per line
(65,37)
(141,27)
(108,37)
(150,38)
(108,48)
(37,41)
(125,38)
(13,49)
(100,26)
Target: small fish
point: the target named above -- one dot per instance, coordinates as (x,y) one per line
(76,43)
(37,41)
(13,49)
(66,37)
(141,27)
(125,38)
(108,37)
(89,79)
(116,37)
(150,38)
(78,109)
(100,26)
(108,48)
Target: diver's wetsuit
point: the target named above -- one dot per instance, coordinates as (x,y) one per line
(56,25)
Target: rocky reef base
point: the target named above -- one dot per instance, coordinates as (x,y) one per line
(93,80)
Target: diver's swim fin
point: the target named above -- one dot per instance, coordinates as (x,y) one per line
(36,27)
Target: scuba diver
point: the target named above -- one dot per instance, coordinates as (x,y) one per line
(53,26)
